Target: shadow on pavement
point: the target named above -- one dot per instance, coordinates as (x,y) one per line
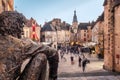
(86,74)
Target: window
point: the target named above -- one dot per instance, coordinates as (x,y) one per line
(108,51)
(84,39)
(88,36)
(109,44)
(27,34)
(84,34)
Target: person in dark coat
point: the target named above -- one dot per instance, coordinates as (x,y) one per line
(79,61)
(72,59)
(84,62)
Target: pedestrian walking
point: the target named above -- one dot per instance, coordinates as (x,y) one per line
(83,56)
(79,61)
(79,50)
(84,62)
(61,54)
(72,60)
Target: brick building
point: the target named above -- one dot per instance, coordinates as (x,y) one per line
(112,35)
(85,32)
(98,34)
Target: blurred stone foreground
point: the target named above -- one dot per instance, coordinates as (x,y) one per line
(23,59)
(27,61)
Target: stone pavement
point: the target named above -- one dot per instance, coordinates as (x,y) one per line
(94,70)
(92,78)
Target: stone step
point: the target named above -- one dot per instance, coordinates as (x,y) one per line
(70,78)
(110,77)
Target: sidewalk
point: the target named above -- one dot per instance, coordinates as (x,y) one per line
(66,67)
(94,70)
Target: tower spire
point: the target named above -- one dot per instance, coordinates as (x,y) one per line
(75,17)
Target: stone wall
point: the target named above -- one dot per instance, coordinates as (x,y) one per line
(117,37)
(112,35)
(108,61)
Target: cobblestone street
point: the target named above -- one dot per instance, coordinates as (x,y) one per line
(94,70)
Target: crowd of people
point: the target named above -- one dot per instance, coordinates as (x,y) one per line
(75,51)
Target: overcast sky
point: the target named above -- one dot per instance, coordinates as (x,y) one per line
(46,10)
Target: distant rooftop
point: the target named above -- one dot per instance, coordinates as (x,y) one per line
(83,26)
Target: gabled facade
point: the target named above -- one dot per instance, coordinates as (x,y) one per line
(95,30)
(49,33)
(56,32)
(29,32)
(65,33)
(85,32)
(98,35)
(98,30)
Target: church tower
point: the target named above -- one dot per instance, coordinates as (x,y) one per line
(75,17)
(75,23)
(74,29)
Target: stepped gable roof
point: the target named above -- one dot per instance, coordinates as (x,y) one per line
(101,17)
(116,3)
(47,27)
(105,2)
(65,26)
(57,25)
(92,24)
(83,26)
(29,22)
